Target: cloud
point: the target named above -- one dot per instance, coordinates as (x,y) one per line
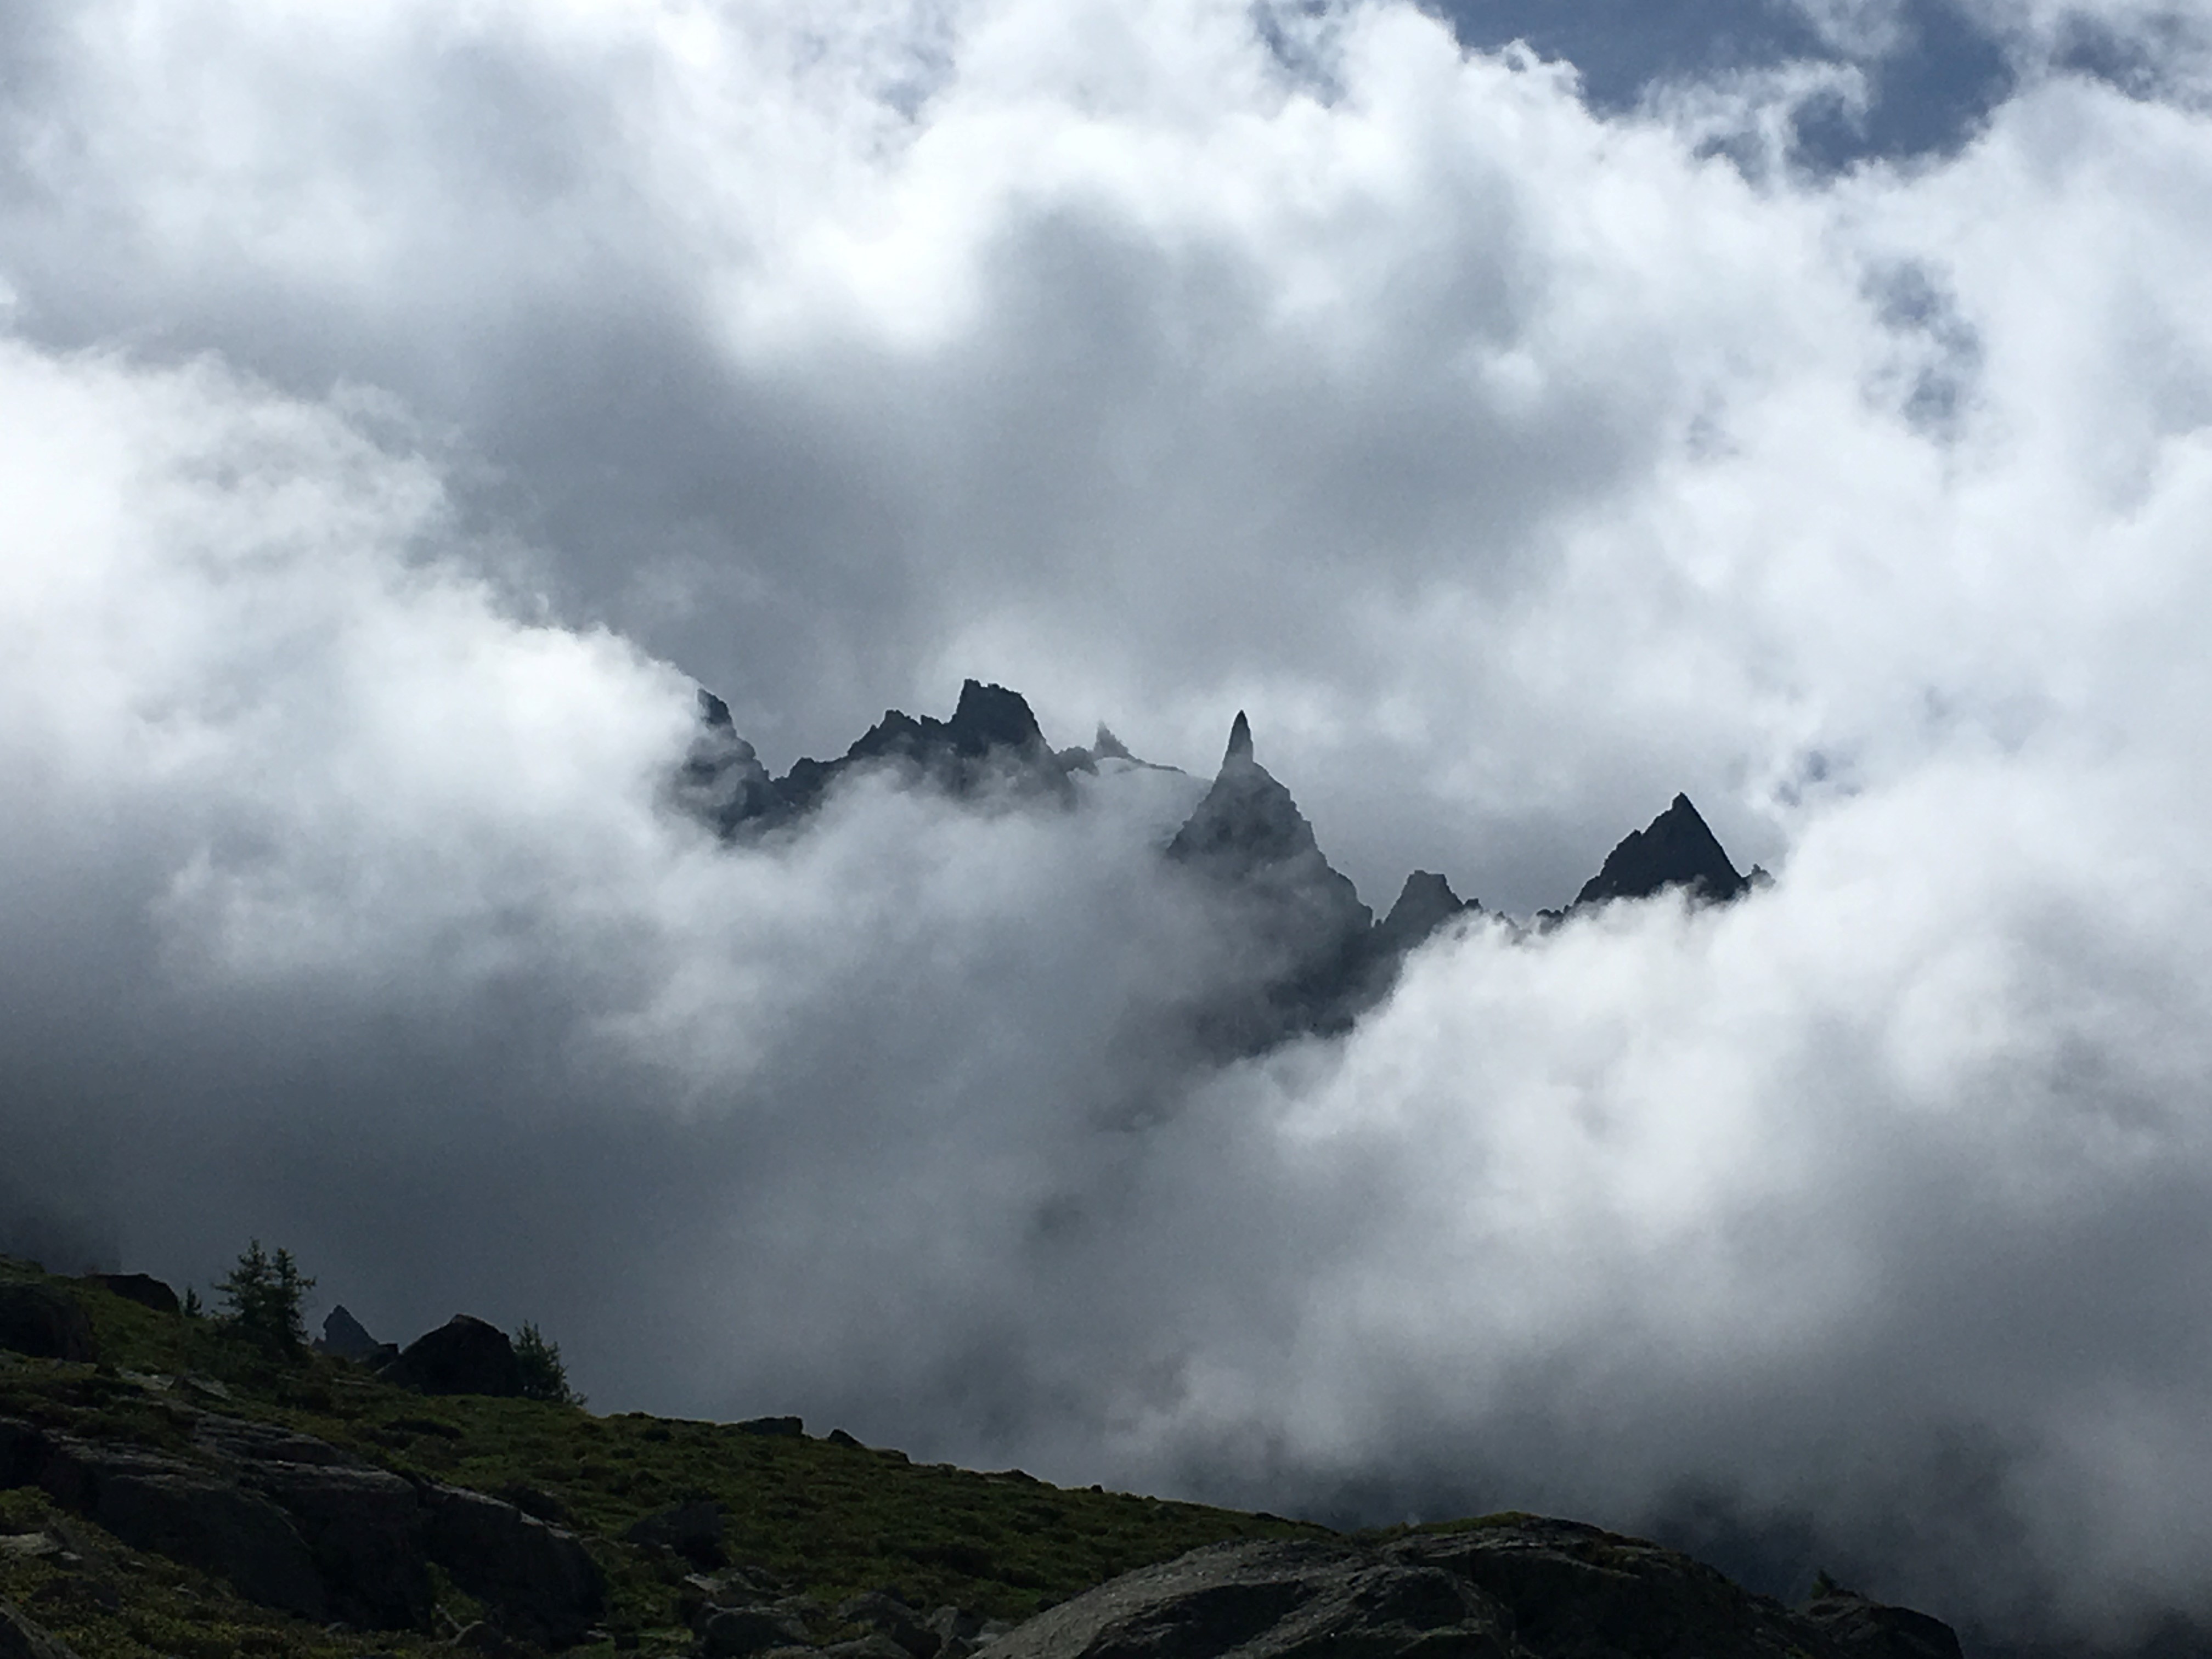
(403,410)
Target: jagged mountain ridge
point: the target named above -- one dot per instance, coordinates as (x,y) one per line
(1322,958)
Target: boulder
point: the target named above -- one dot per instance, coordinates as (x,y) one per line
(888,1615)
(543,1580)
(155,1502)
(464,1355)
(22,1639)
(693,1531)
(45,1322)
(739,1632)
(776,1428)
(144,1289)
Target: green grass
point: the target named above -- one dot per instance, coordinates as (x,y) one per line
(832,1519)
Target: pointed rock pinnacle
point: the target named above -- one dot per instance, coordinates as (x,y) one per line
(1240,740)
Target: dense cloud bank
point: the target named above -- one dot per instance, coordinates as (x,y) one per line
(400,411)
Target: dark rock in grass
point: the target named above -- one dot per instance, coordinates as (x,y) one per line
(22,1639)
(190,1514)
(693,1531)
(464,1355)
(541,1579)
(839,1437)
(777,1428)
(46,1323)
(144,1289)
(891,1615)
(740,1632)
(874,1645)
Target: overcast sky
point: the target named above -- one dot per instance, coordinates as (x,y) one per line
(1524,410)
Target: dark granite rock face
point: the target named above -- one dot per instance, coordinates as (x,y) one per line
(1307,934)
(45,1323)
(1426,903)
(992,742)
(1516,1588)
(464,1355)
(1676,849)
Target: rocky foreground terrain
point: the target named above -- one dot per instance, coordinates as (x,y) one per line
(170,1487)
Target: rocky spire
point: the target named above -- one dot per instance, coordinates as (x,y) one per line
(1240,740)
(1676,849)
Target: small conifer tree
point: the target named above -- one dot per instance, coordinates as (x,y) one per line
(265,1292)
(543,1376)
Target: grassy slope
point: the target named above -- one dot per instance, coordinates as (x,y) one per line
(832,1519)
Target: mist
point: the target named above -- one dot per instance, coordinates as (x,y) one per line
(401,417)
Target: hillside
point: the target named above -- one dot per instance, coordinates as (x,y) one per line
(168,1488)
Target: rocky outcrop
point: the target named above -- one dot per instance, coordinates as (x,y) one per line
(541,1578)
(295,1523)
(992,742)
(1676,849)
(45,1323)
(1270,1600)
(22,1639)
(1426,903)
(464,1355)
(1307,933)
(1515,1587)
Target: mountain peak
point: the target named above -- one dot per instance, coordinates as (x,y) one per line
(1676,849)
(1240,740)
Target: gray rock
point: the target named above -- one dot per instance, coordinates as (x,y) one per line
(464,1355)
(693,1531)
(1519,1588)
(22,1639)
(45,1322)
(190,1514)
(874,1645)
(1270,1600)
(892,1617)
(541,1579)
(739,1632)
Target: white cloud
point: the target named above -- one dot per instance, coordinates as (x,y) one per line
(1515,466)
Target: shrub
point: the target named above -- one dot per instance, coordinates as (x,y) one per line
(543,1376)
(265,1293)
